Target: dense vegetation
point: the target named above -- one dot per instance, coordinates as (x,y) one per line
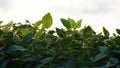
(34,46)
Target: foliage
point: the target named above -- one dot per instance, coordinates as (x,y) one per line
(33,46)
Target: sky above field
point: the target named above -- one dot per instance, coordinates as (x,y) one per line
(96,13)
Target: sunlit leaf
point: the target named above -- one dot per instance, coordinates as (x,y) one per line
(66,23)
(37,23)
(47,20)
(78,24)
(72,22)
(88,32)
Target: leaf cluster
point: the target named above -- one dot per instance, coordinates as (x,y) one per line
(34,46)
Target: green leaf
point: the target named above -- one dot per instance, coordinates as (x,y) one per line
(40,31)
(44,61)
(42,36)
(106,32)
(3,64)
(70,64)
(99,56)
(1,22)
(60,32)
(66,41)
(72,22)
(118,31)
(108,65)
(103,48)
(37,23)
(1,32)
(88,32)
(66,23)
(114,60)
(78,24)
(16,48)
(47,20)
(27,38)
(117,40)
(31,58)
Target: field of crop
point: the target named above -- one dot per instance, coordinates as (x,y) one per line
(35,46)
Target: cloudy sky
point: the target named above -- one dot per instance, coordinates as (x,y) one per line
(96,13)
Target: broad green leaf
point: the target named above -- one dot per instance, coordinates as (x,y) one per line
(66,41)
(31,58)
(118,31)
(117,40)
(44,61)
(106,32)
(37,23)
(27,38)
(114,60)
(66,23)
(47,20)
(70,64)
(99,56)
(88,32)
(42,36)
(40,31)
(1,32)
(78,24)
(3,64)
(60,32)
(16,48)
(108,65)
(72,22)
(103,48)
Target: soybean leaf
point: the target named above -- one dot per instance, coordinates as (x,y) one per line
(1,32)
(16,48)
(40,31)
(99,56)
(37,23)
(1,22)
(44,61)
(66,41)
(117,40)
(47,20)
(78,24)
(108,65)
(72,22)
(70,64)
(60,32)
(88,32)
(31,58)
(118,31)
(106,32)
(103,48)
(27,38)
(3,64)
(66,23)
(114,60)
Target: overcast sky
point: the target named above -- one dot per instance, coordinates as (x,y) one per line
(96,13)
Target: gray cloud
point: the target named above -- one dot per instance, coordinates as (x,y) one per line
(5,4)
(93,7)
